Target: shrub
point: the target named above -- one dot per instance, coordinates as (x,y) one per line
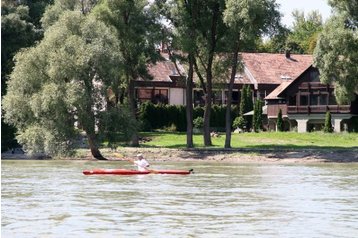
(239,122)
(198,122)
(279,121)
(328,124)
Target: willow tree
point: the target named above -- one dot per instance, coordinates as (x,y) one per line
(60,81)
(246,21)
(336,54)
(137,31)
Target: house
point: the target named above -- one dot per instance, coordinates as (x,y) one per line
(263,71)
(286,81)
(167,85)
(304,102)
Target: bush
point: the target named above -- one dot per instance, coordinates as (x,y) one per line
(198,122)
(239,122)
(279,121)
(152,116)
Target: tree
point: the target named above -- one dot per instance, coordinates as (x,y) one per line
(184,17)
(347,6)
(210,29)
(336,54)
(137,32)
(246,22)
(305,32)
(279,121)
(60,81)
(18,31)
(257,117)
(328,123)
(277,42)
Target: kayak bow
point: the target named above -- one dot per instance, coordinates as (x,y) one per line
(134,172)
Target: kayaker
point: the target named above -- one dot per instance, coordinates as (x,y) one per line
(141,163)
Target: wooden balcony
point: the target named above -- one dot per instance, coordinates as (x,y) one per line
(319,109)
(272,110)
(314,85)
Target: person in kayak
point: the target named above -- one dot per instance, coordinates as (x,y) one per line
(141,163)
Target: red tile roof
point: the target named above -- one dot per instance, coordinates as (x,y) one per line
(260,68)
(267,68)
(162,70)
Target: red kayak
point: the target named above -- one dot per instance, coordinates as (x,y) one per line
(134,172)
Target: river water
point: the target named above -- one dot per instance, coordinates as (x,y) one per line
(54,199)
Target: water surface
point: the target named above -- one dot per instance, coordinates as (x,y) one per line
(54,199)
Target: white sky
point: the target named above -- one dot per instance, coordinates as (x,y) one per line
(287,6)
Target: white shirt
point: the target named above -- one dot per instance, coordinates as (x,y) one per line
(142,164)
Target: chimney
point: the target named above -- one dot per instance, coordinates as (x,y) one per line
(288,54)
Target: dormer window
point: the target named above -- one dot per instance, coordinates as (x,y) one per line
(285,77)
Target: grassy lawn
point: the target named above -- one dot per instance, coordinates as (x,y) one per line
(264,140)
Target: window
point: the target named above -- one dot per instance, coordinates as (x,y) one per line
(199,98)
(217,97)
(144,94)
(292,100)
(304,100)
(153,95)
(324,99)
(314,99)
(160,96)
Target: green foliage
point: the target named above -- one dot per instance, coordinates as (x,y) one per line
(156,116)
(354,124)
(305,31)
(61,80)
(336,57)
(257,117)
(246,104)
(116,124)
(328,123)
(239,122)
(277,42)
(198,122)
(279,121)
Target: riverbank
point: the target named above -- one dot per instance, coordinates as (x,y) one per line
(243,155)
(218,155)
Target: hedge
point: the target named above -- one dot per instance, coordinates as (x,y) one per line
(157,116)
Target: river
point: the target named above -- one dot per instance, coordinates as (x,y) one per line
(52,198)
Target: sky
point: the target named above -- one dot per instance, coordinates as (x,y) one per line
(287,6)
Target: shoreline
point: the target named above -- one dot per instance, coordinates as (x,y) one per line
(303,156)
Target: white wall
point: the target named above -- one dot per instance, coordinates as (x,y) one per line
(177,96)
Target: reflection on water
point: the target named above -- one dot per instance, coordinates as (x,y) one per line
(54,199)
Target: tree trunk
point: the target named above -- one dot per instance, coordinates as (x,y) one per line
(131,99)
(93,146)
(189,104)
(209,74)
(207,112)
(229,99)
